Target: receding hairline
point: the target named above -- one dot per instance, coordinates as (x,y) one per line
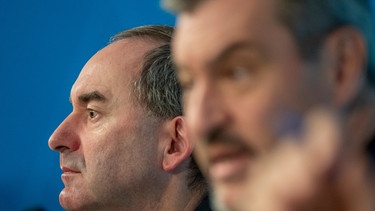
(162,33)
(157,36)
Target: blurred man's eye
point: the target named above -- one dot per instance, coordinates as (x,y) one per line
(239,73)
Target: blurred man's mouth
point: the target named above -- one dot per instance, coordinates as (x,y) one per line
(228,155)
(228,162)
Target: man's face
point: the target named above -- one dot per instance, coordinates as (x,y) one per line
(104,140)
(244,84)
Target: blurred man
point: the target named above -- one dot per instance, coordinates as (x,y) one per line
(124,146)
(279,95)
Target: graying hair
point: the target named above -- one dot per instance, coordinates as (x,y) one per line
(161,33)
(157,88)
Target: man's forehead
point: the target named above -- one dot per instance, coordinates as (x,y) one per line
(215,24)
(122,54)
(114,65)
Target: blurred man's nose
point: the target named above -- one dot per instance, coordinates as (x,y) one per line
(205,110)
(65,137)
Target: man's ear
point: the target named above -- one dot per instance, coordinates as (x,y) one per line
(348,56)
(178,147)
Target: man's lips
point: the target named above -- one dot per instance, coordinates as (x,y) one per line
(66,169)
(227,162)
(68,174)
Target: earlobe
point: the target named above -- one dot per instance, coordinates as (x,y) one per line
(350,54)
(179,148)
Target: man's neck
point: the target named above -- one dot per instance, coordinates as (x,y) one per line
(183,198)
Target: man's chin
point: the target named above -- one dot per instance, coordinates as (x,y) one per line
(228,179)
(224,196)
(70,200)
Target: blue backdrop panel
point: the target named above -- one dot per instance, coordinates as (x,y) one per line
(43,46)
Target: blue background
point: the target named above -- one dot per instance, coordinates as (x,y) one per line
(43,46)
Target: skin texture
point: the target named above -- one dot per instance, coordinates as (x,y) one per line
(114,156)
(245,91)
(248,96)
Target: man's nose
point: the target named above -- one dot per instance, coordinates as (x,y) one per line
(205,110)
(65,137)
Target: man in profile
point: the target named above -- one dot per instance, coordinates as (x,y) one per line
(124,146)
(279,97)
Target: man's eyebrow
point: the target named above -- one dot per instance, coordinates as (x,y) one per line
(229,50)
(91,96)
(222,56)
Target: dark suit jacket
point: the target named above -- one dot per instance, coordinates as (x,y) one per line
(204,205)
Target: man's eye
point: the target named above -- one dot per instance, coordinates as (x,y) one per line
(186,85)
(92,113)
(239,73)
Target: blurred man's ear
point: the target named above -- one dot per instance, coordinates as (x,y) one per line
(178,147)
(347,51)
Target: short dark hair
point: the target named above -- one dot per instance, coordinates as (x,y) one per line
(157,88)
(180,6)
(310,21)
(161,33)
